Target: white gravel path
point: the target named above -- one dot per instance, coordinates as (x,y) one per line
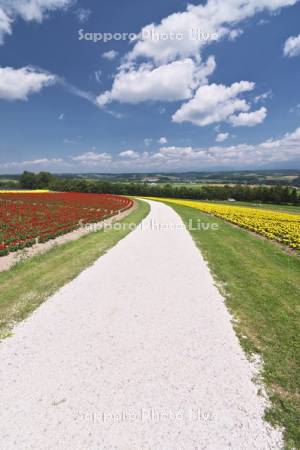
(136,353)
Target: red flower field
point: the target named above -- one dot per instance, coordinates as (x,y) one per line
(26,218)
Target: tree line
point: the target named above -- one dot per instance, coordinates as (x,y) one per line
(264,194)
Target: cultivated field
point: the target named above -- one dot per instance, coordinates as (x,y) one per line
(280,226)
(26,218)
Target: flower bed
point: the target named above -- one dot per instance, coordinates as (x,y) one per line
(26,218)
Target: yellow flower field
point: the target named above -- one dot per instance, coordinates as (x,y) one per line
(275,225)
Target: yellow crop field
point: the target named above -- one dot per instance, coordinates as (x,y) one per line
(275,225)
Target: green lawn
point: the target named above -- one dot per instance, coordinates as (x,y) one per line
(261,283)
(25,286)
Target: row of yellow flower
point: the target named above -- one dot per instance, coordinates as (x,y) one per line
(279,226)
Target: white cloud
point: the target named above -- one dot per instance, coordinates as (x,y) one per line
(5,25)
(215,17)
(93,157)
(43,161)
(263,22)
(28,10)
(242,155)
(115,114)
(98,74)
(110,55)
(34,9)
(217,103)
(129,154)
(288,144)
(82,14)
(69,141)
(163,140)
(33,162)
(221,137)
(292,46)
(234,34)
(86,95)
(18,84)
(284,149)
(61,116)
(295,109)
(147,141)
(169,82)
(249,119)
(263,97)
(170,68)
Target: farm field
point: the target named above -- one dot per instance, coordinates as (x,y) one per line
(268,206)
(29,217)
(260,283)
(26,285)
(275,225)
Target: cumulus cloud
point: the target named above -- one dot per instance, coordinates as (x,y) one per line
(110,55)
(163,140)
(245,155)
(218,103)
(18,84)
(292,46)
(93,157)
(28,10)
(129,154)
(242,155)
(216,17)
(166,63)
(249,119)
(168,82)
(221,137)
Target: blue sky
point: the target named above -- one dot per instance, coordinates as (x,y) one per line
(171,100)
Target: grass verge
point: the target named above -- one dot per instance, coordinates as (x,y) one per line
(26,285)
(261,284)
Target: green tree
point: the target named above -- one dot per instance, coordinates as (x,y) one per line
(28,180)
(43,179)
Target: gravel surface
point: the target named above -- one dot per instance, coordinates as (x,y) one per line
(137,353)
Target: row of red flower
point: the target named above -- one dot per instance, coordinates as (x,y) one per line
(31,217)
